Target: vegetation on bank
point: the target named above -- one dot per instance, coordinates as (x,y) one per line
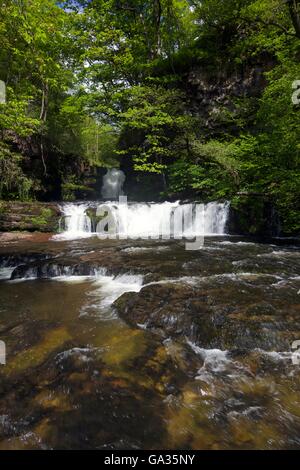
(92,83)
(29,216)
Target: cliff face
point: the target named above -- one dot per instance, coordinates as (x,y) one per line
(213,88)
(29,216)
(214,94)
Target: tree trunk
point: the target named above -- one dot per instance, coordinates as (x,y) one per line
(43,117)
(44,105)
(157,22)
(294,8)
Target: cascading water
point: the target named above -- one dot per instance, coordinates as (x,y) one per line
(112,184)
(213,219)
(144,220)
(75,221)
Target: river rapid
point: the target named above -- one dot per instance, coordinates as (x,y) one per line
(138,344)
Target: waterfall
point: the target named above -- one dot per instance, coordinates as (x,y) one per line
(113,182)
(75,221)
(145,220)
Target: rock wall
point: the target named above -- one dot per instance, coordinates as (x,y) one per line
(211,89)
(254,215)
(29,216)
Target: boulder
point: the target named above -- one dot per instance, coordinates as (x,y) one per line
(184,311)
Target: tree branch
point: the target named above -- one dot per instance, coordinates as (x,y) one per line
(277,25)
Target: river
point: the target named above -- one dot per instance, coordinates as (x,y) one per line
(128,344)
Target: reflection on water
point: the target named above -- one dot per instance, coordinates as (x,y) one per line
(77,376)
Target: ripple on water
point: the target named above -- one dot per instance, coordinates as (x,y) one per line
(123,382)
(107,289)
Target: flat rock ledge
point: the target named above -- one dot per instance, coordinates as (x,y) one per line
(29,216)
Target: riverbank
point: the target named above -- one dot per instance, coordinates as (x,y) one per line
(29,216)
(7,238)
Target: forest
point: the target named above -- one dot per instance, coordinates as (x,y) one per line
(204,95)
(150,229)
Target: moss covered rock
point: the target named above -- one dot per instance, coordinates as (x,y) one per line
(30,216)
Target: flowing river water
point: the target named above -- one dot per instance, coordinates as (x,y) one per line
(127,344)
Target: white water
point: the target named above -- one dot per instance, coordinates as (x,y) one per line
(112,184)
(143,220)
(5,273)
(76,223)
(106,290)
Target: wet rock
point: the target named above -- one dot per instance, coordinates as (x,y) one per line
(11,260)
(50,268)
(31,216)
(44,270)
(180,310)
(87,381)
(35,355)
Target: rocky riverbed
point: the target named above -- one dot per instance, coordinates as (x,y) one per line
(142,344)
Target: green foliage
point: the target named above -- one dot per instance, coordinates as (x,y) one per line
(91,82)
(70,186)
(13,181)
(14,116)
(40,220)
(213,172)
(264,157)
(155,115)
(44,115)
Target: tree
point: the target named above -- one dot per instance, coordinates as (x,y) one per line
(294,8)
